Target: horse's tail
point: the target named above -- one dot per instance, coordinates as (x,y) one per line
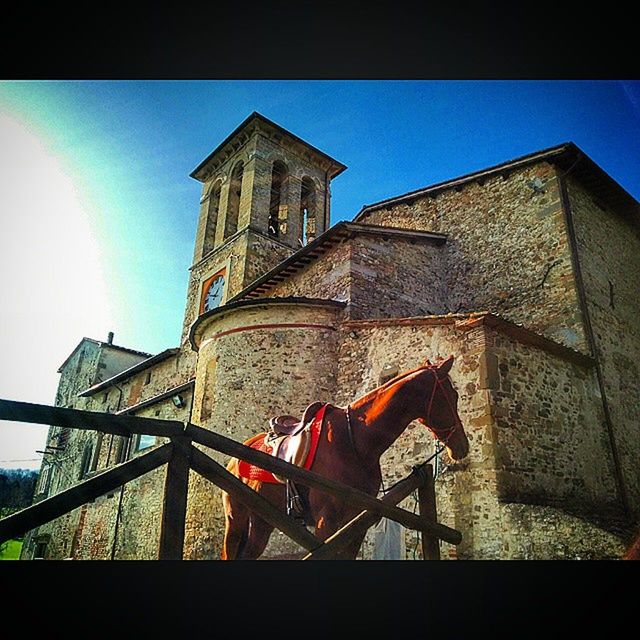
(633,552)
(236,531)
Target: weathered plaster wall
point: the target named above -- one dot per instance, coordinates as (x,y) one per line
(136,507)
(114,361)
(507,249)
(90,364)
(609,254)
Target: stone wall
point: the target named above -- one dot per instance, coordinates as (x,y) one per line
(263,254)
(507,250)
(229,255)
(395,277)
(517,457)
(255,362)
(329,277)
(609,253)
(551,444)
(136,507)
(379,276)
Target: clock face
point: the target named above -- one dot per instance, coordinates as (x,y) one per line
(213,297)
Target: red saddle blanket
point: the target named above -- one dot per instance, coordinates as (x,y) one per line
(252,472)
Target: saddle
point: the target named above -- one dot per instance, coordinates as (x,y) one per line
(294,441)
(290,438)
(289,425)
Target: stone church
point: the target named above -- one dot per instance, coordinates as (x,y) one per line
(527,272)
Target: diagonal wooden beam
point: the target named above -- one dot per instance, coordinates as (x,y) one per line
(358,526)
(216,473)
(327,485)
(87,420)
(68,500)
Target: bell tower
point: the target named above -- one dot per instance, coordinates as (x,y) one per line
(265,195)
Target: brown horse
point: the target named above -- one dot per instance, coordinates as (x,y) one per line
(351,443)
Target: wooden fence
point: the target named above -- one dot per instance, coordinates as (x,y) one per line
(181,456)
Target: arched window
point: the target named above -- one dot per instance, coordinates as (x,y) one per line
(277,213)
(233,206)
(212,218)
(307,211)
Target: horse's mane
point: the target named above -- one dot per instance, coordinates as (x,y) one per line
(389,383)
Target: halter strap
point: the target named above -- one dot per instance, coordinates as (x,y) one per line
(438,385)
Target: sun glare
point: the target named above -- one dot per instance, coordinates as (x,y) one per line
(51,280)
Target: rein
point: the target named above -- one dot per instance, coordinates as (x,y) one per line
(350,431)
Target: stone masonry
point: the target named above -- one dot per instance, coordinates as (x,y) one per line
(527,273)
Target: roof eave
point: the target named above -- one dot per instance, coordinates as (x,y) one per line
(134,369)
(336,167)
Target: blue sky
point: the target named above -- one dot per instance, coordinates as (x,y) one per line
(98,212)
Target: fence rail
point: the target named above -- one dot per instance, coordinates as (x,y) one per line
(181,455)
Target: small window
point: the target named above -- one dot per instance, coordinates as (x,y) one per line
(86,460)
(63,437)
(147,377)
(122,447)
(45,480)
(95,457)
(40,551)
(144,442)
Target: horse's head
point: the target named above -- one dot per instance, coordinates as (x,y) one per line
(441,410)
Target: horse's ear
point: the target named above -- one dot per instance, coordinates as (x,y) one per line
(445,366)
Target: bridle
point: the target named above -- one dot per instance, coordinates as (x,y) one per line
(449,431)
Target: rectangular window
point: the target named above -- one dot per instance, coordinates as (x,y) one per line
(40,551)
(95,458)
(45,480)
(122,449)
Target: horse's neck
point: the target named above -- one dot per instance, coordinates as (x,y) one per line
(382,416)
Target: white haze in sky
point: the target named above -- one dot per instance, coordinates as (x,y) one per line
(51,284)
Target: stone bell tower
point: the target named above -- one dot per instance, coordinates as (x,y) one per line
(265,194)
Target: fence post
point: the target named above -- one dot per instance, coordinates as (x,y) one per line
(427,507)
(174,508)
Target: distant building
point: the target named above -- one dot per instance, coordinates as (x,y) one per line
(527,272)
